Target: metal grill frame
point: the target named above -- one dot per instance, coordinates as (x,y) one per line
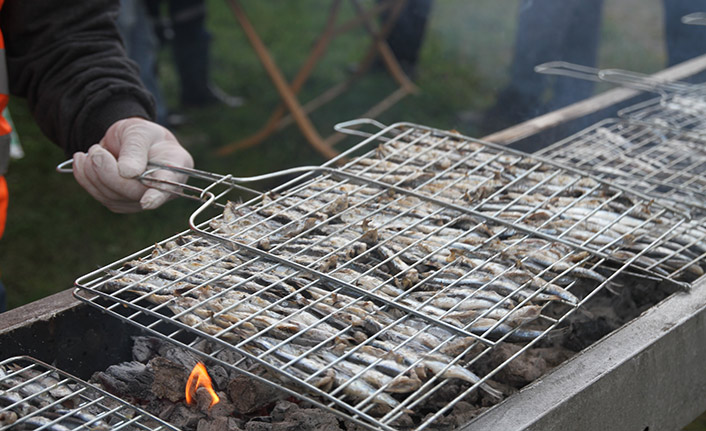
(681,215)
(669,111)
(646,158)
(154,319)
(129,416)
(650,202)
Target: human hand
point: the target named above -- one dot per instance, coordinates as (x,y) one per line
(108,170)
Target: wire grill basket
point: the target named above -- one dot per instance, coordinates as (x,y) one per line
(662,163)
(34,395)
(376,285)
(677,111)
(680,105)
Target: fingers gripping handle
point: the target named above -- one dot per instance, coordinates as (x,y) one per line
(173,187)
(193,192)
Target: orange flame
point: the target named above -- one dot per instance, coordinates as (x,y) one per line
(199,377)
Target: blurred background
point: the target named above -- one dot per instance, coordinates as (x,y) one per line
(56,232)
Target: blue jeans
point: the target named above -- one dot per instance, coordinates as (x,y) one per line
(683,41)
(137,29)
(569,30)
(549,30)
(3,299)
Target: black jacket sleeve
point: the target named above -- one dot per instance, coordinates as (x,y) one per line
(66,57)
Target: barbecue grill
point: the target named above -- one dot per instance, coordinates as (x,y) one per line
(282,278)
(48,398)
(679,106)
(345,237)
(658,161)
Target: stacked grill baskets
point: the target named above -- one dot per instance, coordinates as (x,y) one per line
(661,162)
(679,106)
(656,147)
(681,111)
(376,285)
(34,395)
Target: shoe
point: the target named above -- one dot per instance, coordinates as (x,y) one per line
(213,96)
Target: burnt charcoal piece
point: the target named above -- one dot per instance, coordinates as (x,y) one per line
(129,380)
(169,379)
(249,396)
(185,417)
(223,408)
(311,420)
(463,412)
(219,376)
(282,409)
(179,356)
(528,366)
(204,400)
(218,424)
(258,426)
(288,416)
(145,348)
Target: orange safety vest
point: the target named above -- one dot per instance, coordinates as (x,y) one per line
(4,134)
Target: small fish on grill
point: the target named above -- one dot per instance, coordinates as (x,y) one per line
(384,278)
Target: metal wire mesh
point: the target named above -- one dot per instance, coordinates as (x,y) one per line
(34,395)
(377,289)
(540,197)
(680,105)
(662,163)
(684,112)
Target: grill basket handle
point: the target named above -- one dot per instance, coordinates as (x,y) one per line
(625,78)
(694,18)
(200,193)
(571,70)
(351,127)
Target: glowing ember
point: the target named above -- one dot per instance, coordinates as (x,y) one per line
(198,378)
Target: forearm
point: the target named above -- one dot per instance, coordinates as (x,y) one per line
(66,58)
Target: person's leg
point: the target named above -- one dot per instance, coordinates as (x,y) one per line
(190,48)
(141,44)
(406,36)
(540,28)
(192,54)
(544,30)
(580,46)
(683,41)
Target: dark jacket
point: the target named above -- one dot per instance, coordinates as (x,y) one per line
(66,57)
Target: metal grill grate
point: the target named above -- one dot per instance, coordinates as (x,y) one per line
(540,197)
(377,289)
(663,163)
(680,105)
(34,395)
(684,112)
